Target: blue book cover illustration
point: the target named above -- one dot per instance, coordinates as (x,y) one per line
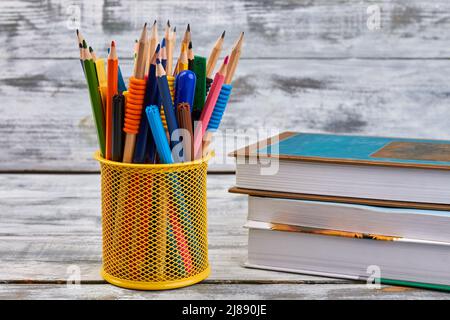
(396,151)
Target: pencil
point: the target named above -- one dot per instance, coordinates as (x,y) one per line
(187,35)
(93,55)
(153,42)
(209,107)
(190,56)
(113,65)
(214,56)
(130,118)
(144,142)
(183,62)
(80,47)
(173,40)
(166,99)
(163,54)
(185,122)
(118,113)
(234,58)
(94,94)
(169,50)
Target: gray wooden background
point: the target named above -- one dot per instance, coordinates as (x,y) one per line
(307,65)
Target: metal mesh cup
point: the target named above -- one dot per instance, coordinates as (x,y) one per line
(154,221)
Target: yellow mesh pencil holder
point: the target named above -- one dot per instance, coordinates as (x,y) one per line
(154,224)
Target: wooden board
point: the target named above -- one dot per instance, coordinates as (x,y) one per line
(313,28)
(51,128)
(219,291)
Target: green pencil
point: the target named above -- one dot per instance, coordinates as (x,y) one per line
(94,94)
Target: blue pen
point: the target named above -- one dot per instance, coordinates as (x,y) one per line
(185,88)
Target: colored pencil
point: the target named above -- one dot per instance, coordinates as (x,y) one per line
(209,107)
(130,139)
(94,94)
(214,56)
(166,99)
(113,74)
(185,122)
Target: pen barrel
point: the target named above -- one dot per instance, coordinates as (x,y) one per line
(220,107)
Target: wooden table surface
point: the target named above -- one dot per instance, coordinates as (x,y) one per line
(308,65)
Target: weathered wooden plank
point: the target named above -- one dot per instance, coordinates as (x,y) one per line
(302,28)
(204,291)
(51,222)
(47,122)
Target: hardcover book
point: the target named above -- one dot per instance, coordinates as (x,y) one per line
(393,172)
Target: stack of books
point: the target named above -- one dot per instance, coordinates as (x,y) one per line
(349,206)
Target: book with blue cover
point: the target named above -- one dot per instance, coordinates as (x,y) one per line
(344,168)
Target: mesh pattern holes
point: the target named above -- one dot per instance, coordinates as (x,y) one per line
(154,221)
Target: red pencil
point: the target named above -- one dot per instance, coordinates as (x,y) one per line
(207,111)
(113,74)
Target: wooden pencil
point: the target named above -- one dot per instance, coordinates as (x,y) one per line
(94,94)
(234,58)
(214,56)
(130,139)
(169,50)
(190,56)
(153,42)
(187,35)
(183,63)
(112,78)
(93,55)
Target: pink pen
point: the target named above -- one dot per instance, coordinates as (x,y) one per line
(209,108)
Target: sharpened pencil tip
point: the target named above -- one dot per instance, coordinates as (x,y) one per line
(113,43)
(145,25)
(190,45)
(163,43)
(158,61)
(223,34)
(158,48)
(84,44)
(188,29)
(78,31)
(168,23)
(226,60)
(91,50)
(154,22)
(175,29)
